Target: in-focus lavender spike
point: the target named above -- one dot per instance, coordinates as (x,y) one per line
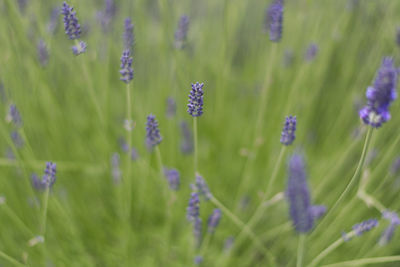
(365,226)
(43,53)
(394,220)
(381,95)
(274,20)
(195,106)
(289,131)
(317,211)
(299,195)
(173,178)
(126,67)
(193,209)
(49,177)
(14,116)
(171,107)
(187,139)
(71,24)
(181,32)
(202,187)
(17,139)
(213,220)
(129,37)
(153,136)
(115,169)
(311,52)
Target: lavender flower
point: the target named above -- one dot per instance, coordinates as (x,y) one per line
(106,16)
(193,209)
(274,20)
(17,139)
(181,32)
(395,166)
(53,22)
(317,211)
(126,67)
(187,139)
(195,106)
(213,220)
(198,260)
(394,220)
(43,53)
(171,107)
(381,95)
(79,48)
(365,226)
(123,144)
(228,243)
(153,136)
(115,170)
(134,154)
(289,131)
(173,178)
(71,25)
(299,195)
(202,188)
(37,183)
(14,116)
(311,52)
(49,176)
(129,37)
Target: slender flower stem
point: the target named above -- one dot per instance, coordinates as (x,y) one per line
(159,161)
(370,201)
(365,261)
(329,249)
(45,204)
(245,228)
(10,259)
(129,140)
(195,144)
(352,180)
(300,250)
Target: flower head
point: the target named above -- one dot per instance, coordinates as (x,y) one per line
(17,139)
(195,106)
(53,22)
(274,20)
(213,220)
(107,14)
(173,178)
(71,25)
(193,209)
(380,95)
(43,53)
(171,107)
(128,36)
(317,211)
(79,48)
(311,52)
(153,136)
(395,166)
(181,32)
(365,226)
(14,116)
(289,131)
(201,187)
(48,178)
(299,195)
(394,222)
(126,67)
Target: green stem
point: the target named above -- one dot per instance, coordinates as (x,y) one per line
(159,161)
(128,161)
(366,261)
(300,250)
(10,259)
(45,204)
(245,228)
(352,180)
(195,143)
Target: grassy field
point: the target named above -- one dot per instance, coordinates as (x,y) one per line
(109,209)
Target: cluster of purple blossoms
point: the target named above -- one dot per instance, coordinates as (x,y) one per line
(173,178)
(187,139)
(311,52)
(299,195)
(73,28)
(289,131)
(213,220)
(317,211)
(181,32)
(195,106)
(201,187)
(193,215)
(14,116)
(128,36)
(274,20)
(48,178)
(43,53)
(153,136)
(126,66)
(17,139)
(394,222)
(53,22)
(365,226)
(381,95)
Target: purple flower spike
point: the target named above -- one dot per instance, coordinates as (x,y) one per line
(37,183)
(202,187)
(153,136)
(311,52)
(299,195)
(365,226)
(381,95)
(129,37)
(14,116)
(17,139)
(395,166)
(181,32)
(171,107)
(53,22)
(193,209)
(106,16)
(394,220)
(213,220)
(43,53)
(173,178)
(126,67)
(195,106)
(187,139)
(317,211)
(49,176)
(80,48)
(274,20)
(71,25)
(289,131)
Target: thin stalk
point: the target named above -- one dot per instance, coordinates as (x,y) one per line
(159,161)
(370,201)
(129,140)
(10,259)
(366,261)
(44,216)
(352,180)
(300,250)
(195,144)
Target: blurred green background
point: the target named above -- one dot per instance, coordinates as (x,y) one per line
(228,50)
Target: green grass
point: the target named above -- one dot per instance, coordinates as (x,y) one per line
(73,112)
